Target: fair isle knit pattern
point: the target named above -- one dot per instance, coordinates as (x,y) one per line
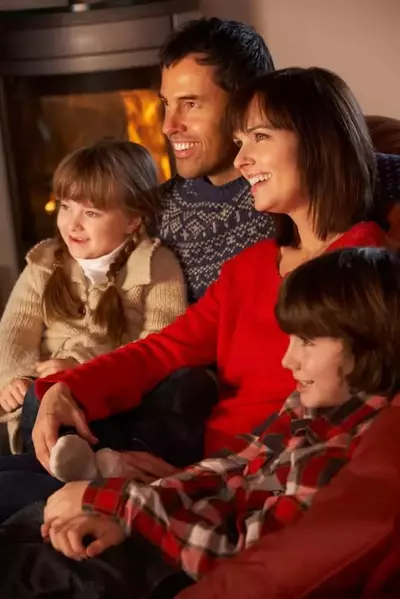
(205,225)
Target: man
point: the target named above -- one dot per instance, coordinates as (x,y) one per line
(209,215)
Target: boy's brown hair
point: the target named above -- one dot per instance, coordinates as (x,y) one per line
(335,154)
(353,295)
(106,174)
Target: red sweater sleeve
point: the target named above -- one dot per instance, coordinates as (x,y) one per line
(115,382)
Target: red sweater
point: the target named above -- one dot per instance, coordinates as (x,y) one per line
(233,324)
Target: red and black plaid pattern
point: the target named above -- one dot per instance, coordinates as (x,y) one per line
(222,505)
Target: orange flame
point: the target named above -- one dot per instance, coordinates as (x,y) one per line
(142,108)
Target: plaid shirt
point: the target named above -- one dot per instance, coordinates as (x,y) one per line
(222,505)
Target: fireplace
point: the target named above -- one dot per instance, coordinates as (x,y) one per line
(68,79)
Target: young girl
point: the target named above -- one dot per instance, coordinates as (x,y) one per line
(342,313)
(101,283)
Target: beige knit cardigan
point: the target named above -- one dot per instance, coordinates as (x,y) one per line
(153,292)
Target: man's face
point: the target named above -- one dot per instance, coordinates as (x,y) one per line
(194,115)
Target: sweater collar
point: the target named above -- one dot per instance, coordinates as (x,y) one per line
(137,270)
(202,188)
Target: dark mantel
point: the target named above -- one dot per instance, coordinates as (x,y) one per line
(90,41)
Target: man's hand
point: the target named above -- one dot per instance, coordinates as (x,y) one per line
(48,367)
(66,503)
(57,409)
(12,397)
(67,536)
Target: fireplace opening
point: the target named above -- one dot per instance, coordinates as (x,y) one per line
(51,116)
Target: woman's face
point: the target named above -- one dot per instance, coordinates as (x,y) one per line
(267,158)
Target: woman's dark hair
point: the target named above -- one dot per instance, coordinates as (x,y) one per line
(336,158)
(107,174)
(353,295)
(237,51)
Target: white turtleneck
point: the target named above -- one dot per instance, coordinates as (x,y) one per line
(96,269)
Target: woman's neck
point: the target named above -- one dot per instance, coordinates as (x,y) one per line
(309,242)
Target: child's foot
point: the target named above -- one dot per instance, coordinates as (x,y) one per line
(72,459)
(110,464)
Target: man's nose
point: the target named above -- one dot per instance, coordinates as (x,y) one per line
(172,123)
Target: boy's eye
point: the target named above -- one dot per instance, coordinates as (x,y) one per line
(306,341)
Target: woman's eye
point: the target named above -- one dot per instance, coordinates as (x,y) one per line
(237,143)
(91,214)
(261,136)
(306,341)
(63,206)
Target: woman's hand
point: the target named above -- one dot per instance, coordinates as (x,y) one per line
(12,397)
(144,467)
(48,367)
(67,536)
(57,408)
(64,504)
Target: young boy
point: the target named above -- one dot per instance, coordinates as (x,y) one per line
(342,313)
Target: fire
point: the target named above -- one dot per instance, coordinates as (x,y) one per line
(142,108)
(143,126)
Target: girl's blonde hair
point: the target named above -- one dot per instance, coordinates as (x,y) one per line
(107,174)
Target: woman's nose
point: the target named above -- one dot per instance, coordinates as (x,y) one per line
(243,159)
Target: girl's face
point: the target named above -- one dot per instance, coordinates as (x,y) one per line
(92,233)
(319,367)
(267,158)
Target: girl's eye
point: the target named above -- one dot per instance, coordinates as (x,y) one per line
(91,214)
(63,206)
(237,143)
(306,341)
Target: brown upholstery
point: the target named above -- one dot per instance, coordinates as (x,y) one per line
(385,134)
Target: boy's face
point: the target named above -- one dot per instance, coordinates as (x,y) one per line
(320,367)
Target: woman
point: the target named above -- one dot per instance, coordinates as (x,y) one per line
(305,150)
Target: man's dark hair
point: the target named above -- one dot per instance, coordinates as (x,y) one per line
(336,158)
(351,294)
(237,51)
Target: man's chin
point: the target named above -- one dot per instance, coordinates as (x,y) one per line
(189,170)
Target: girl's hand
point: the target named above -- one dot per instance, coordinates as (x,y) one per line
(48,367)
(67,536)
(12,397)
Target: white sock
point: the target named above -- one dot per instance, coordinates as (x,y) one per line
(72,458)
(110,463)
